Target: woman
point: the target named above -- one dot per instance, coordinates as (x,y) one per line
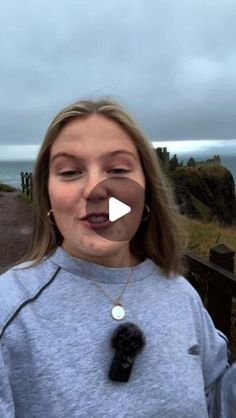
(99,322)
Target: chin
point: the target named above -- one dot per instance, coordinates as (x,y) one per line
(95,248)
(101,249)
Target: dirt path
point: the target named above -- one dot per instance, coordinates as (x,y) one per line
(15,228)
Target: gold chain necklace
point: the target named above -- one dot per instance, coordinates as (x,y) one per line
(118,310)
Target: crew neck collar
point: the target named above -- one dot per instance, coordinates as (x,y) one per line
(103,274)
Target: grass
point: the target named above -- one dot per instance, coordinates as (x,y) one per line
(204,211)
(6,188)
(26,198)
(199,238)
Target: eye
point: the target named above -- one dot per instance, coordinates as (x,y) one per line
(119,170)
(70,173)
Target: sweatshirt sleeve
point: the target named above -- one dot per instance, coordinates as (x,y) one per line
(7,409)
(215,354)
(219,375)
(225,395)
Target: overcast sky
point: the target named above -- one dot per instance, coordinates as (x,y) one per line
(171,63)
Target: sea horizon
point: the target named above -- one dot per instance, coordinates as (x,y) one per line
(10,169)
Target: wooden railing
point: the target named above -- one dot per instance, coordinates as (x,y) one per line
(215,284)
(27,185)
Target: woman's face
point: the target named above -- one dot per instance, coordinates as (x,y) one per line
(82,156)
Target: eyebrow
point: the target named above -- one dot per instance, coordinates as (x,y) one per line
(103,157)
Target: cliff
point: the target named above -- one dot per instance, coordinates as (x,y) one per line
(206,193)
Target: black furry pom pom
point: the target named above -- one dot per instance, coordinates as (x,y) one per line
(128,338)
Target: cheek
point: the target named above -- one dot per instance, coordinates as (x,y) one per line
(61,196)
(141,181)
(139,177)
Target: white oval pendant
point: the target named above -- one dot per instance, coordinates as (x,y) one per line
(118,312)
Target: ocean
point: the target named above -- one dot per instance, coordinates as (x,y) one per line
(10,170)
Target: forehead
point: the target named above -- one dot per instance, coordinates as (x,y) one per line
(94,133)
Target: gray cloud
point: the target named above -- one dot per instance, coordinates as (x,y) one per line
(172,64)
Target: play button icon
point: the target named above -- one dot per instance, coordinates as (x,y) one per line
(117,209)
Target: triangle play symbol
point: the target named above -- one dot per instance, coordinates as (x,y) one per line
(117,209)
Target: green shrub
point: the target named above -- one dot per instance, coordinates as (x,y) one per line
(6,188)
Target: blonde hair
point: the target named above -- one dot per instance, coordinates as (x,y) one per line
(157,238)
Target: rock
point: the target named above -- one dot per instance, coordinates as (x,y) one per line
(206,193)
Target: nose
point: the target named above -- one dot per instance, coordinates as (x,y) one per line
(94,187)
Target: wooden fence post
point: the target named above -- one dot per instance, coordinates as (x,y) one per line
(22,182)
(220,303)
(30,187)
(27,184)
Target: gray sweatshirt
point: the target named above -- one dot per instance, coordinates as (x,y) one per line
(55,345)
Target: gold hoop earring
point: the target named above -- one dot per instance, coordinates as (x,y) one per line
(148,213)
(50,219)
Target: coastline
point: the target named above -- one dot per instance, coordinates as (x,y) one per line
(10,170)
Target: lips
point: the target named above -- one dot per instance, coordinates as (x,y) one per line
(96,214)
(96,221)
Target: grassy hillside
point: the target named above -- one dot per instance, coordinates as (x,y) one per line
(200,236)
(6,188)
(205,193)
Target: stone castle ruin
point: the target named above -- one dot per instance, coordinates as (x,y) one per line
(211,162)
(164,157)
